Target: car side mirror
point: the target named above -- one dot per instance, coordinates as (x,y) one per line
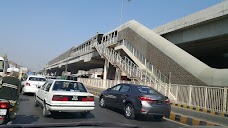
(38,86)
(109,89)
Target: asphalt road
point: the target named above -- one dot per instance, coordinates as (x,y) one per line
(28,114)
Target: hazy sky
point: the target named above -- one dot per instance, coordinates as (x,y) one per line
(32,32)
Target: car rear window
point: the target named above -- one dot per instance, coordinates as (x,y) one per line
(68,86)
(147,90)
(36,79)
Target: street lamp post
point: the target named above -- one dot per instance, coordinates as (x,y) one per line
(121,11)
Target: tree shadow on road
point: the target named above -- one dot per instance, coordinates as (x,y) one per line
(64,115)
(25,119)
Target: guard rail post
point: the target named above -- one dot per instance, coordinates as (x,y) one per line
(169,84)
(206,95)
(225,100)
(190,96)
(176,94)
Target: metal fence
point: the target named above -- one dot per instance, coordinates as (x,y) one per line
(210,98)
(98,83)
(104,84)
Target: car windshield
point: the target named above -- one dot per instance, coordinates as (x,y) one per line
(69,86)
(147,90)
(36,79)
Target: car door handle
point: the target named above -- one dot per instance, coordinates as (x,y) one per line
(45,93)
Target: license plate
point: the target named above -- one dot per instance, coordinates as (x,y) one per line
(3,111)
(159,102)
(75,98)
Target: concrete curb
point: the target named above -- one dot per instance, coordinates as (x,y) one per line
(94,93)
(189,120)
(181,118)
(200,109)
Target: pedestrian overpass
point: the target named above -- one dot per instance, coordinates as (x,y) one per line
(150,59)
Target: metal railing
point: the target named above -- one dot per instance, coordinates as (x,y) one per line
(60,57)
(152,75)
(70,54)
(80,51)
(110,41)
(98,83)
(210,98)
(123,63)
(150,68)
(106,43)
(127,66)
(83,50)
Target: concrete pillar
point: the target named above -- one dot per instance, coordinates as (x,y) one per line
(118,71)
(118,75)
(111,72)
(59,72)
(74,70)
(106,66)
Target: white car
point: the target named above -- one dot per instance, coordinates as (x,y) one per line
(64,96)
(31,83)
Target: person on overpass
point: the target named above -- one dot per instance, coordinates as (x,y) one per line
(10,89)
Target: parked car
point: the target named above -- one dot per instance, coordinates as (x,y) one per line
(64,96)
(31,83)
(136,100)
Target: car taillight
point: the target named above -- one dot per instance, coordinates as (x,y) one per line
(27,84)
(4,105)
(59,98)
(143,98)
(89,98)
(167,101)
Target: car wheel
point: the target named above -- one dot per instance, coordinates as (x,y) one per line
(45,112)
(84,114)
(102,102)
(129,111)
(36,102)
(158,117)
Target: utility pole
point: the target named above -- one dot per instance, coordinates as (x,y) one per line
(121,11)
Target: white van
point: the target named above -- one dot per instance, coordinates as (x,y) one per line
(3,65)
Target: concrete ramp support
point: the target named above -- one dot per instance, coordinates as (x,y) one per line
(147,42)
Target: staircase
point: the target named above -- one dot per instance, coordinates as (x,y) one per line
(131,69)
(144,64)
